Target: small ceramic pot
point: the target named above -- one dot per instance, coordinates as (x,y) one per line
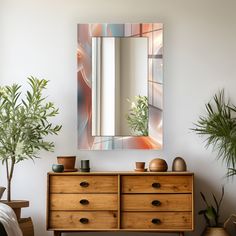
(84,164)
(158,165)
(179,164)
(2,190)
(140,165)
(67,161)
(215,231)
(57,168)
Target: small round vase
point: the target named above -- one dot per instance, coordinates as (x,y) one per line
(158,165)
(215,231)
(57,168)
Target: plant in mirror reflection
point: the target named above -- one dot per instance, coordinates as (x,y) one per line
(138,115)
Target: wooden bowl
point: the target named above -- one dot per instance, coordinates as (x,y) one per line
(158,165)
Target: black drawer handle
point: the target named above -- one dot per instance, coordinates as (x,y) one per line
(156,185)
(84,201)
(84,184)
(156,203)
(156,221)
(84,220)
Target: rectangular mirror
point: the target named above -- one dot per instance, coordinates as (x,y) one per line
(119,81)
(104,85)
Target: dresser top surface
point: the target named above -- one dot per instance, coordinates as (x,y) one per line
(122,173)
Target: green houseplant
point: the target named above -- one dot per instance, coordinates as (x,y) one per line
(219,127)
(24,124)
(138,115)
(212,213)
(212,216)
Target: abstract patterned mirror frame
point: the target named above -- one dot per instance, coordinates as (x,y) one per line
(154,33)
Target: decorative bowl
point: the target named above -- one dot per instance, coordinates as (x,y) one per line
(158,165)
(57,168)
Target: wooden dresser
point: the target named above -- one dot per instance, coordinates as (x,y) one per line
(120,201)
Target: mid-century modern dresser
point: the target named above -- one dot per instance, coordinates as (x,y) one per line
(120,201)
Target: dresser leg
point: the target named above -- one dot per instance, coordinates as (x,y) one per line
(57,233)
(181,233)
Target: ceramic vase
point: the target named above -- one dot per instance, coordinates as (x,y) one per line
(158,165)
(215,231)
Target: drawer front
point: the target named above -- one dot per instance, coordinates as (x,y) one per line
(83,201)
(156,202)
(83,184)
(82,220)
(157,184)
(158,220)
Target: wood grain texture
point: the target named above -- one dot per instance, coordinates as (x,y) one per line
(71,219)
(120,201)
(72,202)
(168,184)
(120,173)
(168,220)
(71,184)
(26,226)
(168,202)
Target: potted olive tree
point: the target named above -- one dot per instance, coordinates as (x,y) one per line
(24,124)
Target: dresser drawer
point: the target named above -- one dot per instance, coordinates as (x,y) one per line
(157,184)
(161,220)
(156,202)
(83,220)
(83,184)
(83,201)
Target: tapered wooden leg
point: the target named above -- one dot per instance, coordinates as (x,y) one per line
(181,233)
(57,233)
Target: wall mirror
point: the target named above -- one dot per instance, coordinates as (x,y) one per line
(119,77)
(100,99)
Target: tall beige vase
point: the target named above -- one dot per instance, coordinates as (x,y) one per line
(215,231)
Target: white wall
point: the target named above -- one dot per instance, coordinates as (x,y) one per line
(39,38)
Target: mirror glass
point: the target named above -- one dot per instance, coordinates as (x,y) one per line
(119,86)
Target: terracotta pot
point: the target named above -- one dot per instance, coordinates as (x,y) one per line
(140,165)
(67,161)
(158,165)
(215,231)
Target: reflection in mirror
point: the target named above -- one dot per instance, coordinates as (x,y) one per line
(119,86)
